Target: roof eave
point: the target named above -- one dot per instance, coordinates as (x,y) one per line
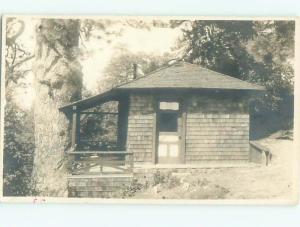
(89,102)
(258,88)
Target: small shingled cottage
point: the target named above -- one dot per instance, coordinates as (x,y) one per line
(179,115)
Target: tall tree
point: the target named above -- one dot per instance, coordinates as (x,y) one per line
(58,81)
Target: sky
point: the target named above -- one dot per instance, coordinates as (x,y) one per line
(97,54)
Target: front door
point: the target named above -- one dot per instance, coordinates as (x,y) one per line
(169,139)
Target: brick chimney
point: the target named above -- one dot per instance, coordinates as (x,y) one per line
(137,71)
(135,68)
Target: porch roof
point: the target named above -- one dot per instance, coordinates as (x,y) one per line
(181,75)
(109,95)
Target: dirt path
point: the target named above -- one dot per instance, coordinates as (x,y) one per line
(253,182)
(263,182)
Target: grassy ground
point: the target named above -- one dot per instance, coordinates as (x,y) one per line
(251,182)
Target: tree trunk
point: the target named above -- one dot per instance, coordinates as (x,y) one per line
(58,81)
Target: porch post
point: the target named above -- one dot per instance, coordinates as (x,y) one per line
(75,127)
(122,123)
(183,132)
(154,131)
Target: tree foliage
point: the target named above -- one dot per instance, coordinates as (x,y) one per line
(217,45)
(273,53)
(107,28)
(121,67)
(18,151)
(18,123)
(15,52)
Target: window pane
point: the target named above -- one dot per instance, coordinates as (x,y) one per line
(173,150)
(162,150)
(168,122)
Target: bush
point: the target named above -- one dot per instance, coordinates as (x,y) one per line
(133,188)
(18,151)
(165,179)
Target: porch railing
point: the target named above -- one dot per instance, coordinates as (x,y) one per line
(100,162)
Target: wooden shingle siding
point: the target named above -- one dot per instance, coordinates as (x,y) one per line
(140,128)
(217,129)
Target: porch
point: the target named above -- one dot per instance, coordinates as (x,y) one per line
(107,174)
(105,163)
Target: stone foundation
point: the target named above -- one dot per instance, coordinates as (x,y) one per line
(106,186)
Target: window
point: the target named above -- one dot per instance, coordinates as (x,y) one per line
(168,122)
(168,116)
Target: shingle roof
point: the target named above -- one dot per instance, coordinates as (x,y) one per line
(180,75)
(186,75)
